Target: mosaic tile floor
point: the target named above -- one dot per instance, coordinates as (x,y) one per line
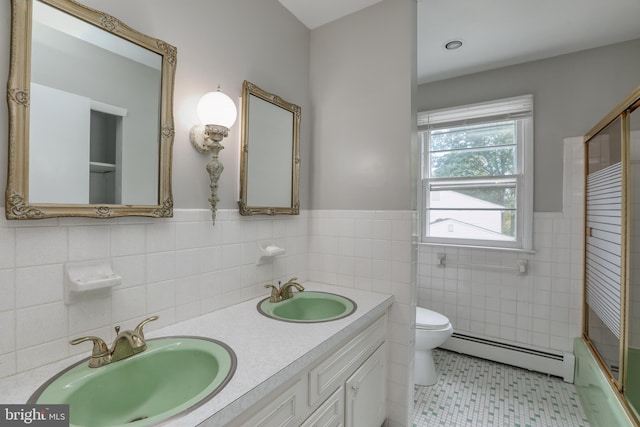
(473,392)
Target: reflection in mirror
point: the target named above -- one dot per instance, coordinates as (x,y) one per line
(270,154)
(91,115)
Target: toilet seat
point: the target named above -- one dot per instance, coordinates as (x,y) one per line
(430,320)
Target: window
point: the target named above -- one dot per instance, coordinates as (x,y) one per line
(477,174)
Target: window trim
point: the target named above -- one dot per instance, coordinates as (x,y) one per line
(517,108)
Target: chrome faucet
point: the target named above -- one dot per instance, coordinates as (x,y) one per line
(284,292)
(126,344)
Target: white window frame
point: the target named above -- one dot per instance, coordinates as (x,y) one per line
(518,108)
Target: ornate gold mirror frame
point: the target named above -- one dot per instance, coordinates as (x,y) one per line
(17,205)
(269,154)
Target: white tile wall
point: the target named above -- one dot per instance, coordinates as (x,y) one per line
(373,250)
(541,309)
(183,267)
(178,268)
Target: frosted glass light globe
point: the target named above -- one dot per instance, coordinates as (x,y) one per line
(216,108)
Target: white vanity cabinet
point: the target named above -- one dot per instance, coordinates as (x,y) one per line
(365,399)
(330,413)
(285,408)
(347,387)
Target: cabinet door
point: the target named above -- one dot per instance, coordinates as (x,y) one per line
(330,413)
(284,411)
(334,370)
(366,397)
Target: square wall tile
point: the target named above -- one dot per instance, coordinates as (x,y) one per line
(364,229)
(128,303)
(231,232)
(188,311)
(231,255)
(161,266)
(188,290)
(401,230)
(41,324)
(41,245)
(42,354)
(210,259)
(188,235)
(39,285)
(382,229)
(90,310)
(161,296)
(7,364)
(7,289)
(187,262)
(7,332)
(132,269)
(88,243)
(128,239)
(7,247)
(160,237)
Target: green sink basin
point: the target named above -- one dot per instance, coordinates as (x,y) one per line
(172,376)
(309,307)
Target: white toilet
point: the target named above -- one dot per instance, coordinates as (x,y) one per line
(432,330)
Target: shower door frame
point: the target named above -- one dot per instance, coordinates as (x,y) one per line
(622,111)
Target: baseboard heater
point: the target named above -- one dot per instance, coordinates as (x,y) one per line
(557,364)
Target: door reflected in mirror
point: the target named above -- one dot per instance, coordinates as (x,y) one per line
(94,127)
(270,156)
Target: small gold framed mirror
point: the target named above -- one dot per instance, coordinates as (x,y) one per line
(90,115)
(269,154)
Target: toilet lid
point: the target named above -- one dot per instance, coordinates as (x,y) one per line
(427,319)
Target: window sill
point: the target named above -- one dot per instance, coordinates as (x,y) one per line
(490,248)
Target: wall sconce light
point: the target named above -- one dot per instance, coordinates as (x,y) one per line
(218,113)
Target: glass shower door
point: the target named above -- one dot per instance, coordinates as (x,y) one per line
(604,244)
(632,371)
(611,327)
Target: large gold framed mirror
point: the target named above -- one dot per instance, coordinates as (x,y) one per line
(90,115)
(269,154)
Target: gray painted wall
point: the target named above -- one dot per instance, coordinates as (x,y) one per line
(362,79)
(363,85)
(219,42)
(571,94)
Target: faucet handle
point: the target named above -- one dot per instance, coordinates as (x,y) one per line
(138,329)
(275,293)
(99,346)
(100,355)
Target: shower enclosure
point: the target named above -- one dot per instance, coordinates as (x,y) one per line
(611,326)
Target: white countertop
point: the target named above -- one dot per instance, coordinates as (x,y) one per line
(269,352)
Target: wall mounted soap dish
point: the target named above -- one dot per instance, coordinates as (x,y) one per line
(88,276)
(267,251)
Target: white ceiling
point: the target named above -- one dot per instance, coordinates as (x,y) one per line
(315,13)
(495,33)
